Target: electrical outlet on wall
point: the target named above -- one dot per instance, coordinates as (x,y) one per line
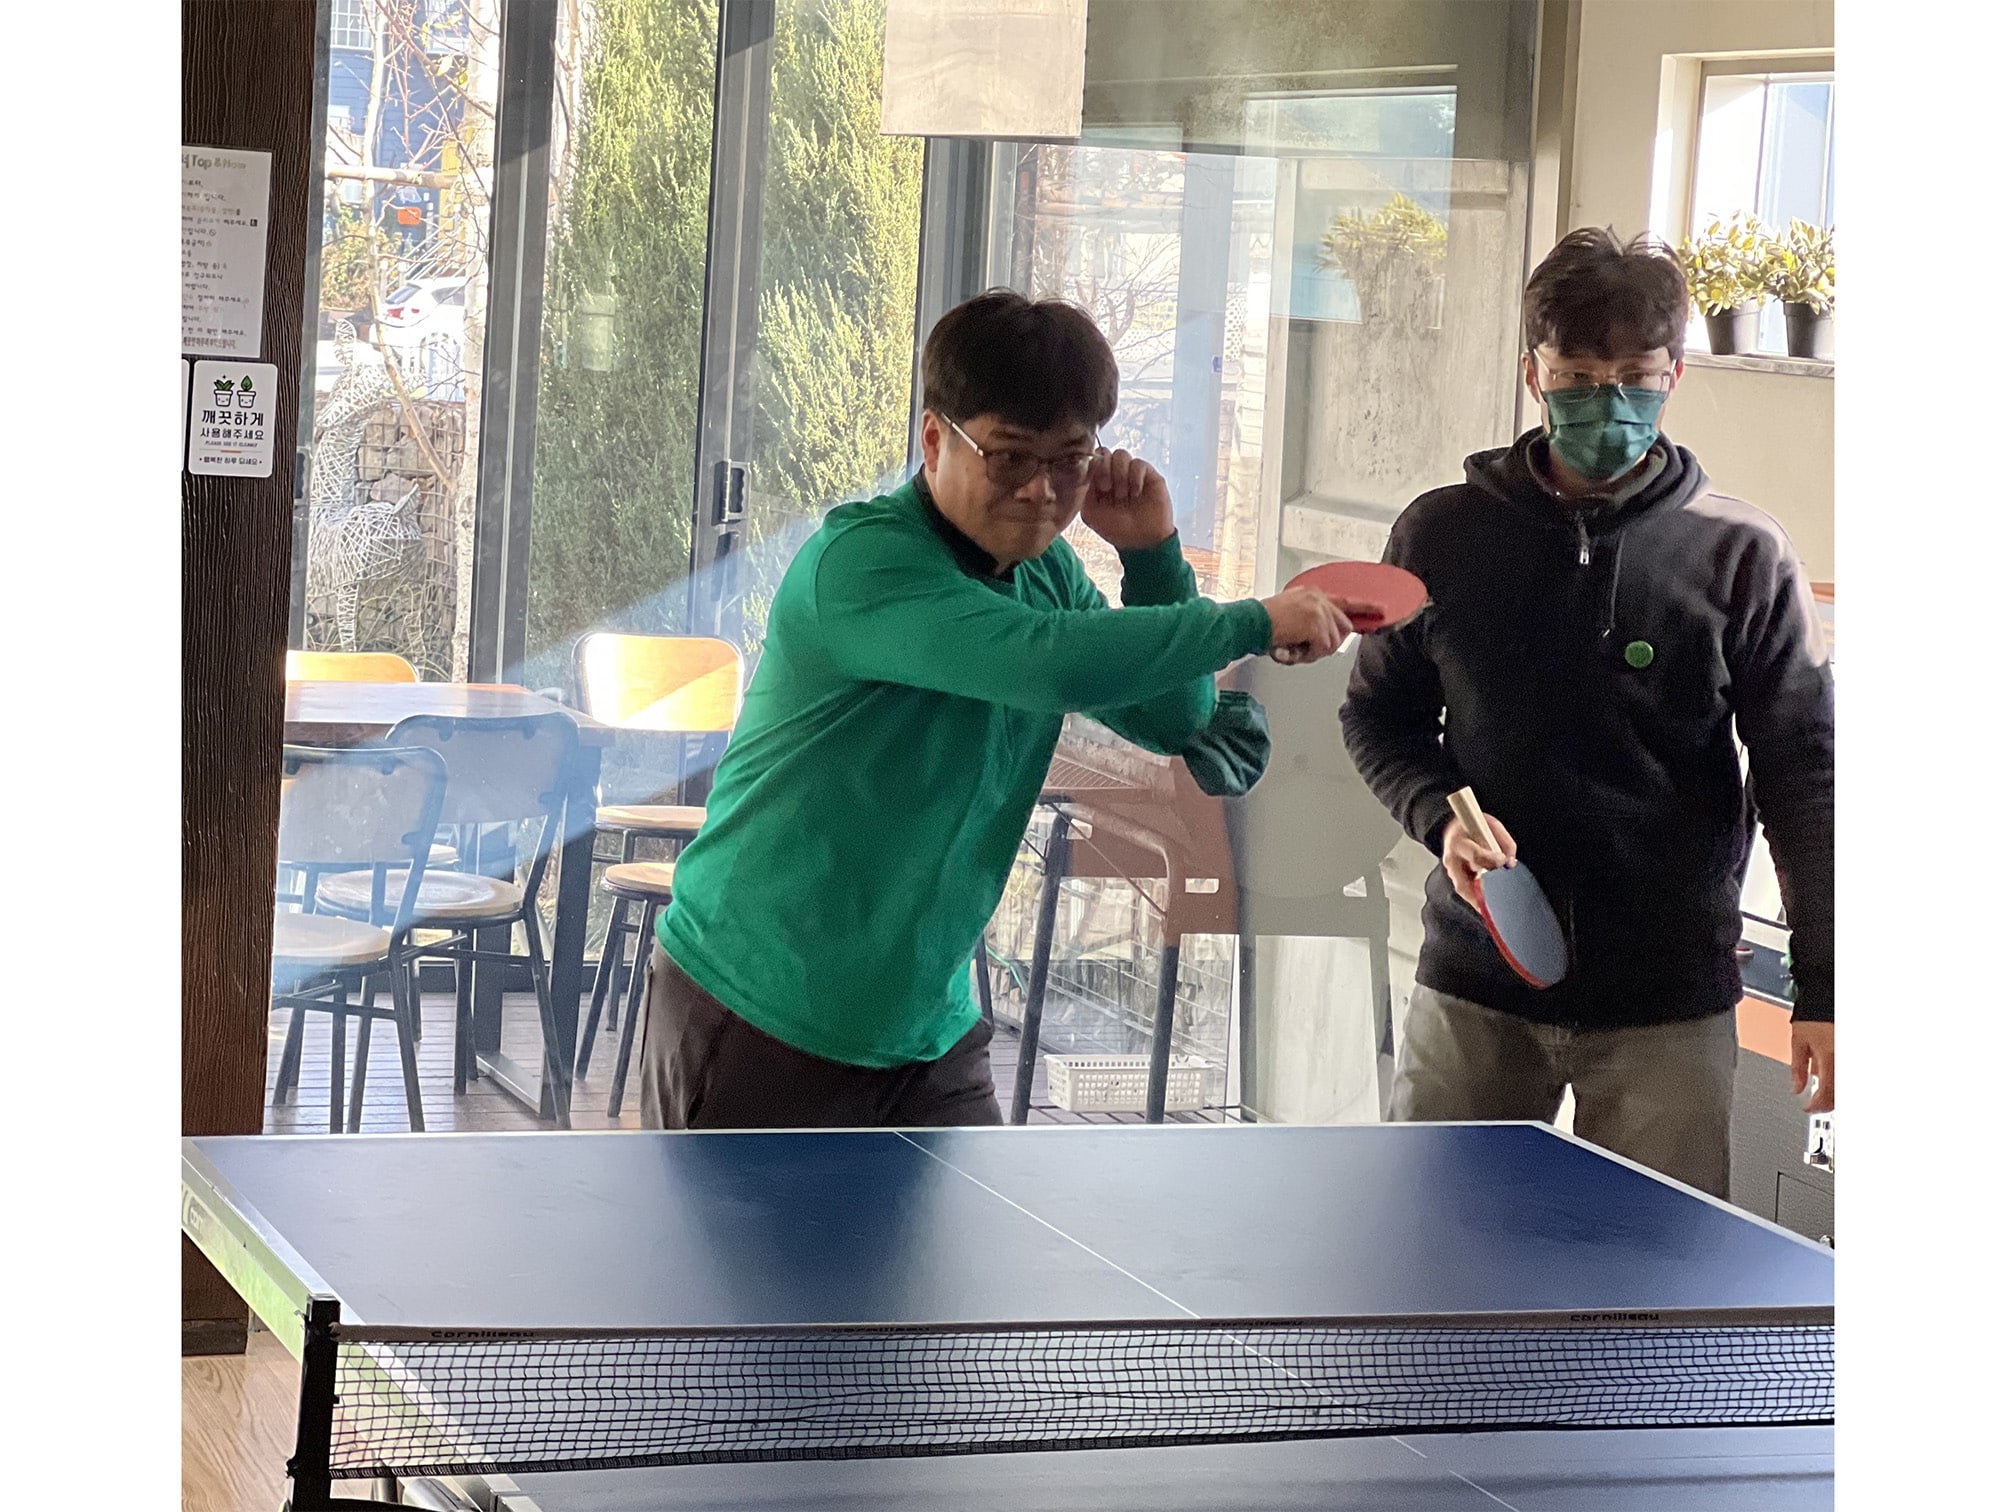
(1820,1141)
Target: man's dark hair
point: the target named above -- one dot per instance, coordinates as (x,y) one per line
(1033,363)
(1595,296)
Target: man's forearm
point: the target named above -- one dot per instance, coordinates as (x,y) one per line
(962,639)
(1784,704)
(1802,848)
(1166,723)
(1406,769)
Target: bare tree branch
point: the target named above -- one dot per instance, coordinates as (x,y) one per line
(417,177)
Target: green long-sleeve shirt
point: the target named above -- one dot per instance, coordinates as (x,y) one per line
(895,738)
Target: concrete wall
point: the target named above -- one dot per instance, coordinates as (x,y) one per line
(1768,437)
(1197,62)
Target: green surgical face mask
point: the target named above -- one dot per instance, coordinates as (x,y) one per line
(1602,433)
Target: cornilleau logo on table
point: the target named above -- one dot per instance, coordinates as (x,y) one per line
(458,1335)
(1614,1317)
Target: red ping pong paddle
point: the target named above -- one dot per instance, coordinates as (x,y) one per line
(1516,911)
(1397,594)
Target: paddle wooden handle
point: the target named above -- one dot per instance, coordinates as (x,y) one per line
(1471,817)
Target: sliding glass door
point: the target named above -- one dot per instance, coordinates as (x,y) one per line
(617,297)
(811,299)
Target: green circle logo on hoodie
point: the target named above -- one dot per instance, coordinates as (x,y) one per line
(1639,654)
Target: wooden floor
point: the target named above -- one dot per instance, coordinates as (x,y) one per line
(238,1428)
(485,1107)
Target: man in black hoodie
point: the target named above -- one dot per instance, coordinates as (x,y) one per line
(1604,628)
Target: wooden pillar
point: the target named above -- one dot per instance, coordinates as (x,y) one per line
(248,81)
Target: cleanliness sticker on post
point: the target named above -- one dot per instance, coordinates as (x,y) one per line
(231,418)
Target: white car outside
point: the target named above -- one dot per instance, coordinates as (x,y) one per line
(422,327)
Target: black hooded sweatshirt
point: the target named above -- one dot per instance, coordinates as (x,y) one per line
(1617,776)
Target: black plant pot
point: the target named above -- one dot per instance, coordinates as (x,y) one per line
(1809,332)
(1733,333)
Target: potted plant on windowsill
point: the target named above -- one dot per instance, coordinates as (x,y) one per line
(1727,268)
(1802,277)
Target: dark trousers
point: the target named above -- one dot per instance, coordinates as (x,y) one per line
(704,1068)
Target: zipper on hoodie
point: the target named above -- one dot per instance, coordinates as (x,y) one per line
(1581,519)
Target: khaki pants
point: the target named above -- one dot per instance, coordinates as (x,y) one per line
(704,1068)
(1660,1094)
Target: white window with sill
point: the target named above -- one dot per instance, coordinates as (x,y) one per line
(1745,135)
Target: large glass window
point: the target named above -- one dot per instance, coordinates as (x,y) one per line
(836,304)
(619,356)
(390,495)
(1305,240)
(1766,146)
(826,388)
(1302,231)
(1167,250)
(587,192)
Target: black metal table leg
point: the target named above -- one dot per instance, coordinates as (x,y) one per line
(640,979)
(1249,1025)
(605,978)
(1056,861)
(1165,1029)
(570,917)
(551,1094)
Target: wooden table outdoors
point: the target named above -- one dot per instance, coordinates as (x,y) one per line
(337,713)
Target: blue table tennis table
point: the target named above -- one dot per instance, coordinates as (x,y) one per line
(458,1235)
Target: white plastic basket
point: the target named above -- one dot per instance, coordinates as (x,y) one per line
(1119,1083)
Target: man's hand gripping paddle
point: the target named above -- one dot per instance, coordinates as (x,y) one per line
(1515,909)
(1372,595)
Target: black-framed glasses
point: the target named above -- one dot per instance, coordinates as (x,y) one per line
(1009,469)
(1658,380)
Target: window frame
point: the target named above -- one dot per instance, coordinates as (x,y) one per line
(1767,69)
(340,24)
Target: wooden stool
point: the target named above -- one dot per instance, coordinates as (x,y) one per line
(630,822)
(649,885)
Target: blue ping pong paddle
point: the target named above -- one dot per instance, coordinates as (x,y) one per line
(1516,910)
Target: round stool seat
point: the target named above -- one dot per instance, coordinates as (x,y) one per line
(325,942)
(674,820)
(650,880)
(447,898)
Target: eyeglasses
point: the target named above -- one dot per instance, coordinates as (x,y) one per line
(1011,470)
(1659,380)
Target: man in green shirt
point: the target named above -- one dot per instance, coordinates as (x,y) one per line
(814,967)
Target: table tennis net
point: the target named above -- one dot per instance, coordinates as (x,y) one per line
(419,1402)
